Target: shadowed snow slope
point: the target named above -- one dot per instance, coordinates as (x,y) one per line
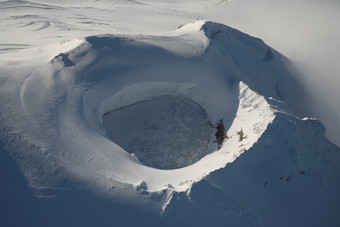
(52,125)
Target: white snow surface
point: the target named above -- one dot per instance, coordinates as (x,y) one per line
(33,32)
(51,97)
(58,81)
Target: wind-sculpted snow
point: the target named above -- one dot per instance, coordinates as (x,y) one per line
(52,125)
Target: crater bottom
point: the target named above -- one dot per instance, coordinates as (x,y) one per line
(165,132)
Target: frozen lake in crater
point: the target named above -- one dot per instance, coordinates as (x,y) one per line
(165,132)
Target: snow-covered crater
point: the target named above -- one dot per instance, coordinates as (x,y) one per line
(138,117)
(202,62)
(98,119)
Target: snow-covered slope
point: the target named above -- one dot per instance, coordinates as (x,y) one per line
(34,31)
(51,123)
(280,181)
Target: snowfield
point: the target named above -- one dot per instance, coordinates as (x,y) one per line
(76,89)
(119,128)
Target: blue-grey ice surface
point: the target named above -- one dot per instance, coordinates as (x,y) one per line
(164,132)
